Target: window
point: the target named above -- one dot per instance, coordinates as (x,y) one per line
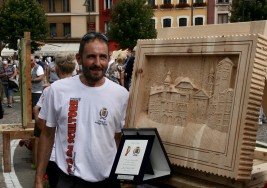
(91,6)
(198,21)
(53,29)
(222,18)
(182,2)
(66,5)
(66,27)
(223,1)
(167,2)
(106,24)
(52,6)
(153,22)
(182,22)
(167,22)
(108,4)
(151,2)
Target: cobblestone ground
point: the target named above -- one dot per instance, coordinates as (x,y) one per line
(22,156)
(262,133)
(12,115)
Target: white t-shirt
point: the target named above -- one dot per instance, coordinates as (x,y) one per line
(39,72)
(42,115)
(87,119)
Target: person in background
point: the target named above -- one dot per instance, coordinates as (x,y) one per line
(115,71)
(37,74)
(7,72)
(64,66)
(51,71)
(1,85)
(129,69)
(38,60)
(87,112)
(262,117)
(77,69)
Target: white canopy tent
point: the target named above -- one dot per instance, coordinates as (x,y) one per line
(7,52)
(54,48)
(50,49)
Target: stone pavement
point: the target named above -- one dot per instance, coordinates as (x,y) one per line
(22,173)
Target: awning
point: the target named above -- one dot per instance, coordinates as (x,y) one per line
(50,49)
(7,52)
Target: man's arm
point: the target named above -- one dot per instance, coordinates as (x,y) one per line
(117,139)
(43,155)
(39,78)
(35,111)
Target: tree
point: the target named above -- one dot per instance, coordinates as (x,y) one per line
(248,10)
(131,20)
(19,16)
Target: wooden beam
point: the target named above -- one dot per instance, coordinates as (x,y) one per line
(26,95)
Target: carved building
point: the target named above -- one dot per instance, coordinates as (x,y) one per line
(182,102)
(221,101)
(177,104)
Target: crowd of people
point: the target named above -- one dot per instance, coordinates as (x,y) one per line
(121,66)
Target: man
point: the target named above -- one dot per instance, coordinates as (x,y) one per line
(129,69)
(88,111)
(37,74)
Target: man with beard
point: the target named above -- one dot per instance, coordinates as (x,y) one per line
(87,112)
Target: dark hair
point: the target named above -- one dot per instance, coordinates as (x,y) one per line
(91,36)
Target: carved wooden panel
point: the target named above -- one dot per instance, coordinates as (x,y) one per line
(203,95)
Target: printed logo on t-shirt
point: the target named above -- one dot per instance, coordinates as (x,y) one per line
(102,117)
(72,120)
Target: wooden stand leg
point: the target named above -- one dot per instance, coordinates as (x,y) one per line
(7,137)
(6,152)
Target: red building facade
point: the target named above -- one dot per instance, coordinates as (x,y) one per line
(104,18)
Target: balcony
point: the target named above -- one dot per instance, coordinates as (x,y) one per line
(200,4)
(167,6)
(182,5)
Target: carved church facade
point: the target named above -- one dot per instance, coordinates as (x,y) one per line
(181,102)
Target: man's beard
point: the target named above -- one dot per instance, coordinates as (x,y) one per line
(91,77)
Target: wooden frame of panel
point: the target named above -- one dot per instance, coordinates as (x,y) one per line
(203,95)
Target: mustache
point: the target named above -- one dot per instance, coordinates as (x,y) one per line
(95,67)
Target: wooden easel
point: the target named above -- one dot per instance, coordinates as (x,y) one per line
(26,128)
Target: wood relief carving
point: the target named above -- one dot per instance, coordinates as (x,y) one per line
(203,95)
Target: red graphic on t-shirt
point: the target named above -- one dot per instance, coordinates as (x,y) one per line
(72,119)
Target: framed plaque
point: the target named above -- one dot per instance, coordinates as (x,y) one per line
(140,157)
(132,158)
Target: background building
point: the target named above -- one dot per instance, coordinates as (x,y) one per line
(69,20)
(179,13)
